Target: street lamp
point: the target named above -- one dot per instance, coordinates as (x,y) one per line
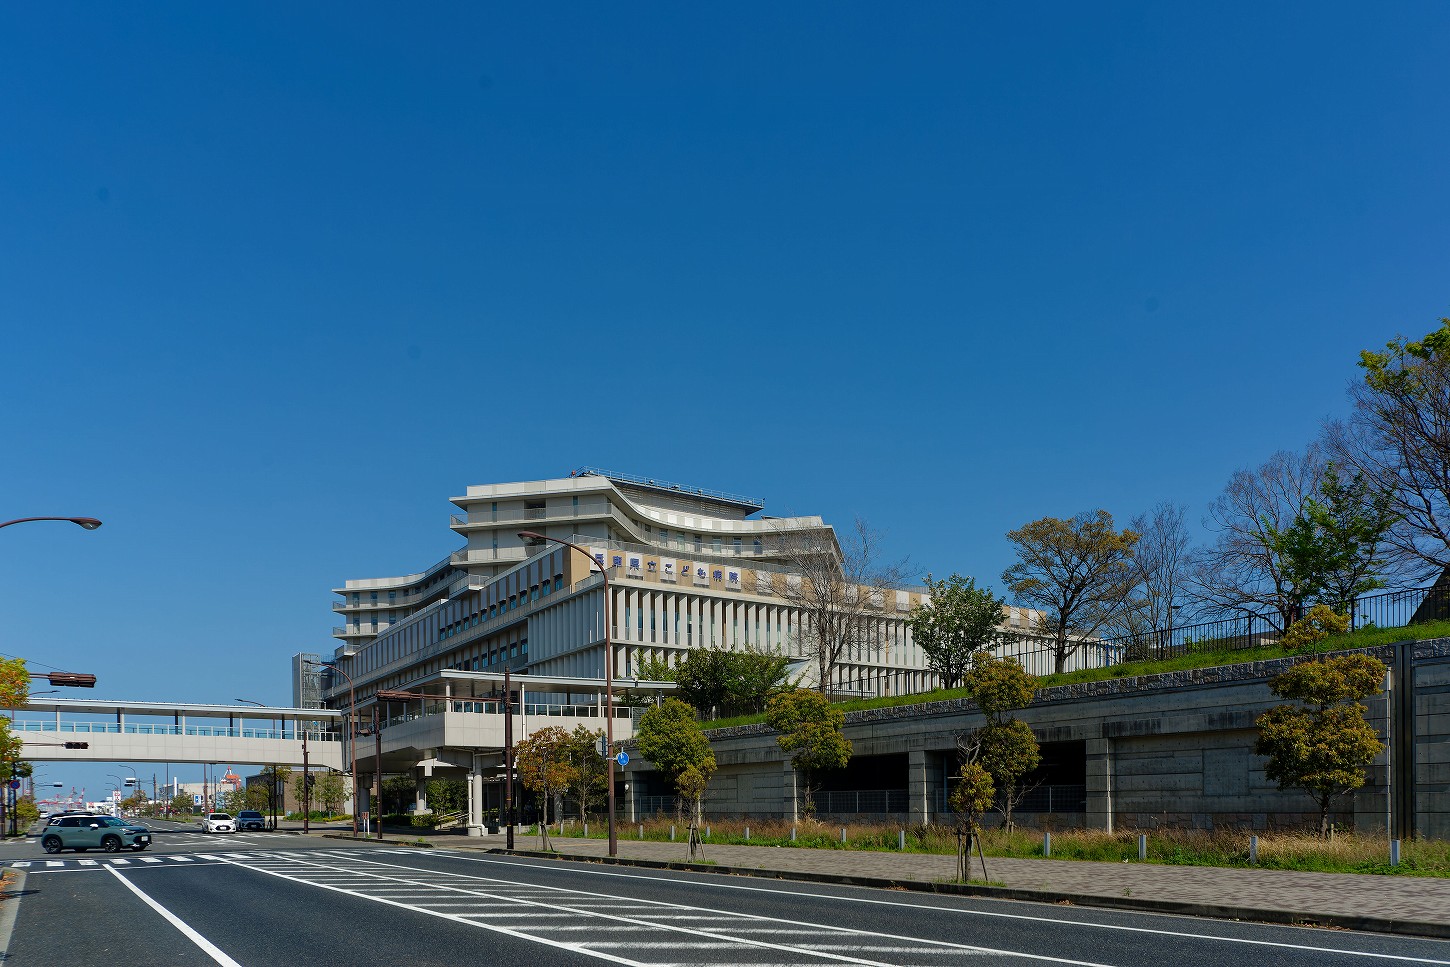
(351,733)
(533,537)
(89,523)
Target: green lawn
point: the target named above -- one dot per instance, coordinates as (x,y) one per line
(1205,655)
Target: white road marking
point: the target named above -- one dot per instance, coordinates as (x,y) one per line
(149,859)
(555,905)
(120,862)
(209,948)
(55,863)
(1056,921)
(21,865)
(86,862)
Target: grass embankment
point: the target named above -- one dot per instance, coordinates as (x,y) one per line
(1206,654)
(1344,853)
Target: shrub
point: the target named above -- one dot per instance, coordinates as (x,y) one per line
(1319,623)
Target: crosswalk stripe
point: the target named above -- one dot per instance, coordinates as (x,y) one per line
(88,862)
(149,859)
(55,863)
(22,865)
(117,862)
(179,859)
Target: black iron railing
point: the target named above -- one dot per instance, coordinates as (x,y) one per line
(1390,609)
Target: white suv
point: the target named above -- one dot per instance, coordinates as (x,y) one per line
(218,823)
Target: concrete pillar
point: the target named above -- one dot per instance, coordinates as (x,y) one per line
(1100,784)
(920,786)
(420,794)
(475,804)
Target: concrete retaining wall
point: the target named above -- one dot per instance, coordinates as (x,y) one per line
(1163,750)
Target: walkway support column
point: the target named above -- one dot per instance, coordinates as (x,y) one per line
(1100,784)
(919,786)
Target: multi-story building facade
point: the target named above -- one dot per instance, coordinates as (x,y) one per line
(686,567)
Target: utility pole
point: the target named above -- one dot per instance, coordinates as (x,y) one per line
(306,790)
(377,769)
(508,759)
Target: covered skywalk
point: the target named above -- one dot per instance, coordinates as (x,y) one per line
(96,730)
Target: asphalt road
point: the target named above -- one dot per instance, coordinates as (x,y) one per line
(266,900)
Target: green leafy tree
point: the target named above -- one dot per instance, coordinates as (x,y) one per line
(232,801)
(810,732)
(397,791)
(181,804)
(1331,550)
(542,762)
(1005,746)
(654,670)
(1076,571)
(703,679)
(446,795)
(719,680)
(1323,744)
(669,735)
(591,776)
(1249,568)
(14,693)
(961,620)
(972,795)
(27,813)
(1397,440)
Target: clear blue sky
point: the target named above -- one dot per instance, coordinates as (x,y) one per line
(275,283)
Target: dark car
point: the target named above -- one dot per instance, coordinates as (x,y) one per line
(93,832)
(250,819)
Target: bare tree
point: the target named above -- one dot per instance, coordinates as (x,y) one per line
(1077,571)
(1398,439)
(840,589)
(1245,572)
(1161,562)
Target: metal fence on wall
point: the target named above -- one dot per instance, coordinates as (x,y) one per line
(1391,609)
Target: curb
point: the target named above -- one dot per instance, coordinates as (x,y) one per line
(9,910)
(1411,928)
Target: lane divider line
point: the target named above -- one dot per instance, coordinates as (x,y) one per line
(209,948)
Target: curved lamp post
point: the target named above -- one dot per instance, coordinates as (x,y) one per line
(89,523)
(534,537)
(351,733)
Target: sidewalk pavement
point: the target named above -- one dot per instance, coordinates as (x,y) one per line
(1390,904)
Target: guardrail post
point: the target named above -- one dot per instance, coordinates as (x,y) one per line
(901,840)
(747,834)
(843,834)
(1142,846)
(792,834)
(1394,852)
(1253,851)
(1047,843)
(641,830)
